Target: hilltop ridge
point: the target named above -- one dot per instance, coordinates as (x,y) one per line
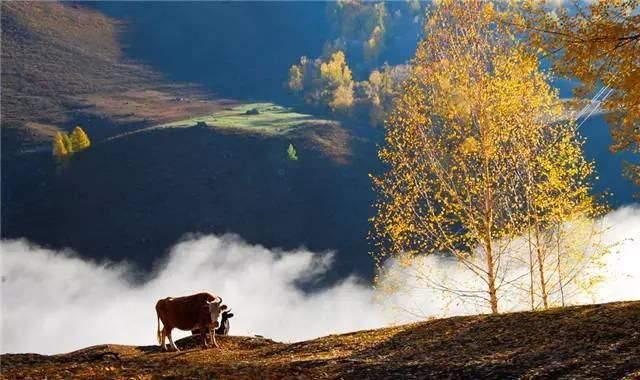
(592,341)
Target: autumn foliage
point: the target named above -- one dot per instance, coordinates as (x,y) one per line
(598,44)
(476,159)
(67,144)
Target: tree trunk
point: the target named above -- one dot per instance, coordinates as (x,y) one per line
(560,284)
(543,285)
(531,270)
(491,278)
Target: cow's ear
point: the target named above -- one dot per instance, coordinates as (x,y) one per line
(224,307)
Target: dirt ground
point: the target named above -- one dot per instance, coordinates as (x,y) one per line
(594,342)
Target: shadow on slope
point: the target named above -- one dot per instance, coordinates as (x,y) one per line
(131,198)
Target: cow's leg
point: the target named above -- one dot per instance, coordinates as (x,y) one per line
(203,335)
(173,345)
(163,335)
(213,339)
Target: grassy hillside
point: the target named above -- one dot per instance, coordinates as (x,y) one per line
(262,118)
(62,63)
(594,342)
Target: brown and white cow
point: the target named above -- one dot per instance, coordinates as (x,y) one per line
(199,311)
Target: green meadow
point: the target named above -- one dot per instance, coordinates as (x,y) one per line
(264,118)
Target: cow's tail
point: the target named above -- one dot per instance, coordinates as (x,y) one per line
(159,331)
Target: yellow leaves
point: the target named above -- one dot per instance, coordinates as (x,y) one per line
(469,146)
(79,140)
(595,42)
(375,78)
(296,78)
(336,71)
(488,11)
(342,97)
(64,145)
(59,149)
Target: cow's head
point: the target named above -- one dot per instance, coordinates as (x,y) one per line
(227,314)
(215,308)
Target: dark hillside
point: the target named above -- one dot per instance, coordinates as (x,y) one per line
(133,197)
(583,342)
(236,49)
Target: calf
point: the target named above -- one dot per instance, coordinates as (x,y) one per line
(223,328)
(199,311)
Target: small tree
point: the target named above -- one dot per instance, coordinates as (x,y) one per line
(59,148)
(296,78)
(67,143)
(291,153)
(79,140)
(337,81)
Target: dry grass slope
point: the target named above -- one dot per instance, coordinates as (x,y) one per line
(594,341)
(61,61)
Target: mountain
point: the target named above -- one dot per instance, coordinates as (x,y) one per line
(122,70)
(143,188)
(594,342)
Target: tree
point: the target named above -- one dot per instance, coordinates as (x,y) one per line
(599,44)
(296,78)
(59,148)
(79,140)
(461,148)
(337,81)
(291,153)
(558,200)
(67,142)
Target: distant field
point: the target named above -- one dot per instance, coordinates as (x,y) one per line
(263,118)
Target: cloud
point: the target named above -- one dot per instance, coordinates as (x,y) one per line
(56,301)
(612,258)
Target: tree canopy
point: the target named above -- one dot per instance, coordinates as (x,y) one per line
(598,44)
(66,144)
(476,157)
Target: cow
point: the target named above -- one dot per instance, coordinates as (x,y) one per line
(223,328)
(200,311)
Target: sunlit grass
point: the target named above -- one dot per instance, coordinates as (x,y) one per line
(270,119)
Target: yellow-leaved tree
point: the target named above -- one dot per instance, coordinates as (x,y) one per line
(597,43)
(79,140)
(338,82)
(470,151)
(327,83)
(559,208)
(59,148)
(66,144)
(296,78)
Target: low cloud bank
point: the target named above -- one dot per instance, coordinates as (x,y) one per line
(55,301)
